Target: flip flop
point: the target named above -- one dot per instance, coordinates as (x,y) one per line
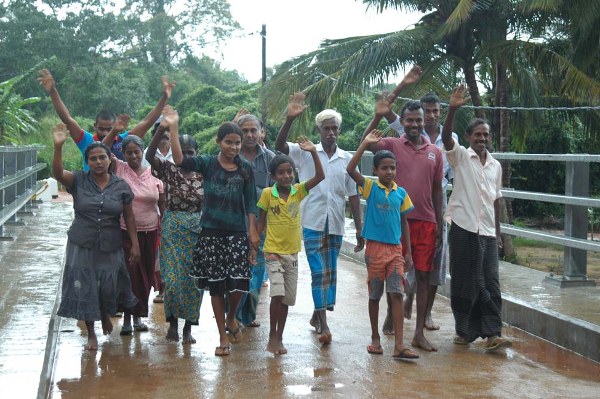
(406,353)
(458,340)
(140,327)
(126,330)
(375,349)
(236,334)
(254,323)
(222,350)
(499,343)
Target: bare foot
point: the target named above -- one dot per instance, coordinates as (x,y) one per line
(107,326)
(325,337)
(421,342)
(408,306)
(282,350)
(388,326)
(430,324)
(314,321)
(273,345)
(92,344)
(172,334)
(188,339)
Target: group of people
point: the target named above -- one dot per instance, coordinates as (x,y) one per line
(218,223)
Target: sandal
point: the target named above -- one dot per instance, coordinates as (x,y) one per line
(126,330)
(406,353)
(458,340)
(497,343)
(236,333)
(254,323)
(140,327)
(222,350)
(159,299)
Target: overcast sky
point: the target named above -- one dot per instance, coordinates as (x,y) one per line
(296,27)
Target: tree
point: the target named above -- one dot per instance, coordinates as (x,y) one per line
(14,119)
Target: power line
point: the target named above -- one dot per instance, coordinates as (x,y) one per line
(484,107)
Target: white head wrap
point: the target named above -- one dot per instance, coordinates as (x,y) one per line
(327,114)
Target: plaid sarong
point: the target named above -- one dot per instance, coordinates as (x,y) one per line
(475,295)
(322,251)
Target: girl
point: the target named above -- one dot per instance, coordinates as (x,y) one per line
(280,211)
(228,223)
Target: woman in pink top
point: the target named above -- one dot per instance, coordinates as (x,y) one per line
(148,204)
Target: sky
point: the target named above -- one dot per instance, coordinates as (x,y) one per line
(296,27)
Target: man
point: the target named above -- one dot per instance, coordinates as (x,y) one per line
(104,120)
(419,171)
(474,217)
(323,219)
(432,130)
(163,152)
(260,158)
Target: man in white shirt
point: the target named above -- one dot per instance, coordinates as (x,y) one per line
(323,211)
(473,211)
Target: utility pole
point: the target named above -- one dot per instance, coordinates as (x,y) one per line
(263,34)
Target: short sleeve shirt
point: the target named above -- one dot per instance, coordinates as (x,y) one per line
(283,219)
(88,138)
(384,210)
(146,189)
(97,211)
(417,169)
(228,197)
(183,193)
(327,200)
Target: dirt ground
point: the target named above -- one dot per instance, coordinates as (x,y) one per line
(550,259)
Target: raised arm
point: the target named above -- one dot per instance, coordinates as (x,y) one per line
(370,140)
(59,136)
(119,126)
(309,146)
(457,100)
(295,108)
(170,122)
(141,128)
(47,82)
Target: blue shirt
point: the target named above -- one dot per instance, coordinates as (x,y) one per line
(88,138)
(384,209)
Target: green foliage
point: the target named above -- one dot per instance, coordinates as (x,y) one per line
(15,120)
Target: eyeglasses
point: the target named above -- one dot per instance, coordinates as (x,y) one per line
(104,129)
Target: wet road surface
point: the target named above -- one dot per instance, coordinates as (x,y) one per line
(147,366)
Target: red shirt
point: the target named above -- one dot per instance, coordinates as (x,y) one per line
(416,171)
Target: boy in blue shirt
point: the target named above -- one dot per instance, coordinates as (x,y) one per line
(384,223)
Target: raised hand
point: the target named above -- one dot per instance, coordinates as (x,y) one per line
(239,114)
(46,80)
(167,86)
(413,75)
(60,134)
(306,144)
(296,105)
(458,97)
(383,106)
(121,123)
(170,117)
(373,137)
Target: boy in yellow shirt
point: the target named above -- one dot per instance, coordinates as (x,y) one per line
(280,213)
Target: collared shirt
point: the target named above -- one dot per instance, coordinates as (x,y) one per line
(88,138)
(260,167)
(97,212)
(448,171)
(283,219)
(327,200)
(159,155)
(417,170)
(384,209)
(475,189)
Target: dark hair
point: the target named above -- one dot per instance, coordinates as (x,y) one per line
(231,128)
(186,139)
(280,159)
(132,138)
(382,154)
(474,123)
(106,115)
(96,144)
(410,106)
(430,98)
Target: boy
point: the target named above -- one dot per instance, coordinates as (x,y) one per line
(385,221)
(280,212)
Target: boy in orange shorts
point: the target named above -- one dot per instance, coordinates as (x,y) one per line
(385,221)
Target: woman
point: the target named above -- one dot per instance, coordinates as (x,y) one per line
(180,228)
(147,204)
(95,280)
(223,248)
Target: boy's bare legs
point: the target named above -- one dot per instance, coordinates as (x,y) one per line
(232,324)
(218,305)
(419,339)
(408,305)
(92,343)
(388,323)
(374,318)
(429,323)
(400,350)
(283,312)
(273,345)
(172,332)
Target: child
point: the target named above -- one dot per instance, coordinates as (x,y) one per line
(280,212)
(385,221)
(228,238)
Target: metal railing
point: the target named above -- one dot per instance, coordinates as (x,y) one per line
(18,181)
(576,201)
